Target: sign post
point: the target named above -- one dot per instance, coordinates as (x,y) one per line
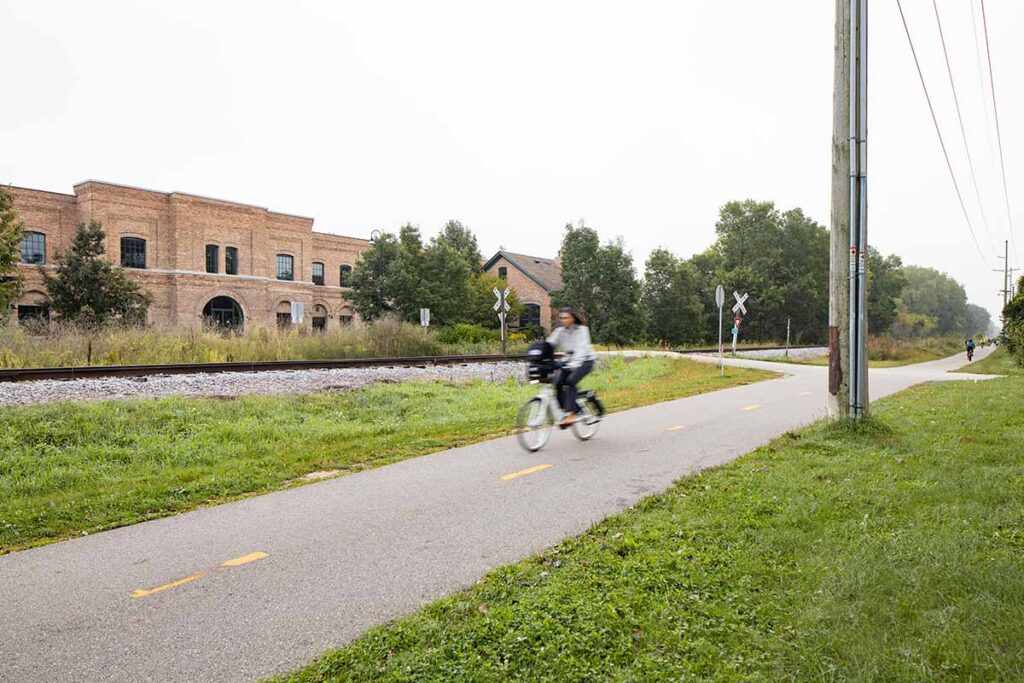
(738,309)
(502,307)
(425,317)
(720,301)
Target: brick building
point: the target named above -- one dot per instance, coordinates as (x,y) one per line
(199,258)
(534,280)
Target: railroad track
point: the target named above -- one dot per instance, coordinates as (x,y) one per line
(98,371)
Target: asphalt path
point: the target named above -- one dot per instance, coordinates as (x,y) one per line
(263,585)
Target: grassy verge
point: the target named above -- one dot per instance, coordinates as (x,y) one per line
(891,551)
(1000,362)
(68,469)
(889,353)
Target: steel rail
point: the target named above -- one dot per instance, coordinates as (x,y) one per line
(101,371)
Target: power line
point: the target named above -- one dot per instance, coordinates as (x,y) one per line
(938,131)
(960,118)
(999,136)
(981,82)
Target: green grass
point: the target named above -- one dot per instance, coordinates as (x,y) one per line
(884,352)
(892,551)
(1000,362)
(68,469)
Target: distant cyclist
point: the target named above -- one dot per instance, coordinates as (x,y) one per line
(970,349)
(572,338)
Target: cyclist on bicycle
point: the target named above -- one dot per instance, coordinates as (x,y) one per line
(970,349)
(571,338)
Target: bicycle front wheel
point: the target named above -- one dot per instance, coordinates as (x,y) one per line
(533,425)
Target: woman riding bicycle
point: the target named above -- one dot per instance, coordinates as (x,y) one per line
(571,338)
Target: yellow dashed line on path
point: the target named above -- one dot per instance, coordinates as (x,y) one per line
(676,428)
(753,406)
(804,393)
(143,592)
(523,473)
(245,559)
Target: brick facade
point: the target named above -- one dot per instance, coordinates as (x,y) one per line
(177,228)
(532,278)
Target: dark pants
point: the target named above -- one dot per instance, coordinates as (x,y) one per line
(565,385)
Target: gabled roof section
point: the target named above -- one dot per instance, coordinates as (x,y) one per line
(545,272)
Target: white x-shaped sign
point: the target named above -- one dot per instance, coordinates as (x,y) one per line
(502,301)
(739,307)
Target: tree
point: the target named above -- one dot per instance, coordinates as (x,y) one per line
(370,294)
(600,283)
(671,305)
(444,289)
(461,239)
(89,290)
(979,321)
(886,283)
(10,243)
(480,306)
(936,295)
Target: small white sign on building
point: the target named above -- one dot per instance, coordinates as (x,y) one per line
(298,311)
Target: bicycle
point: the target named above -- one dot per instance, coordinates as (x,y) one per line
(538,415)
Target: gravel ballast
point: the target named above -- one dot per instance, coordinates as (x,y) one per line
(231,384)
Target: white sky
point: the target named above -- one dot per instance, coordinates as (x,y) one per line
(641,117)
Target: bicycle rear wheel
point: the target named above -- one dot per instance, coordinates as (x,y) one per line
(587,421)
(533,425)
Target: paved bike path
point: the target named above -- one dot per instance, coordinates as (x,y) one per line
(349,553)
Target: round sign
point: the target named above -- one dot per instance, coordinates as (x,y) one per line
(720,296)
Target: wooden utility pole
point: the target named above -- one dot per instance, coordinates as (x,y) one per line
(839,232)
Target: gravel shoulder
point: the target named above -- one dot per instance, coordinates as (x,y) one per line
(232,384)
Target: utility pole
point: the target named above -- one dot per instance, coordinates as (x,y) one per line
(787,336)
(848,363)
(1005,291)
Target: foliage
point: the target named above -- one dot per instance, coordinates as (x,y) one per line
(938,296)
(462,240)
(1013,324)
(61,344)
(780,258)
(885,286)
(89,290)
(671,302)
(890,551)
(480,305)
(10,244)
(461,333)
(599,281)
(121,462)
(979,321)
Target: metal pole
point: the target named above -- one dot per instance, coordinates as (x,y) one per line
(788,320)
(721,351)
(854,393)
(1006,272)
(863,400)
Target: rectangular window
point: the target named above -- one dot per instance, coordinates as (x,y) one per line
(284,320)
(345,276)
(285,267)
(318,273)
(503,272)
(33,247)
(212,258)
(320,324)
(231,260)
(133,252)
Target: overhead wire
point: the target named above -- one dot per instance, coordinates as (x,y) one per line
(938,131)
(963,129)
(999,136)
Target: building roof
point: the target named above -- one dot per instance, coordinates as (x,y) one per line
(545,272)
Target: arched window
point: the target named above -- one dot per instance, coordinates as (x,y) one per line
(530,315)
(212,258)
(33,247)
(231,260)
(318,273)
(345,276)
(285,267)
(133,252)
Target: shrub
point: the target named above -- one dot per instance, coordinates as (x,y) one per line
(467,333)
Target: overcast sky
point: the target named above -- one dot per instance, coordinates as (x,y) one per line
(641,118)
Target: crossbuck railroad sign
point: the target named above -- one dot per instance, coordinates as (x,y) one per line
(739,307)
(502,302)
